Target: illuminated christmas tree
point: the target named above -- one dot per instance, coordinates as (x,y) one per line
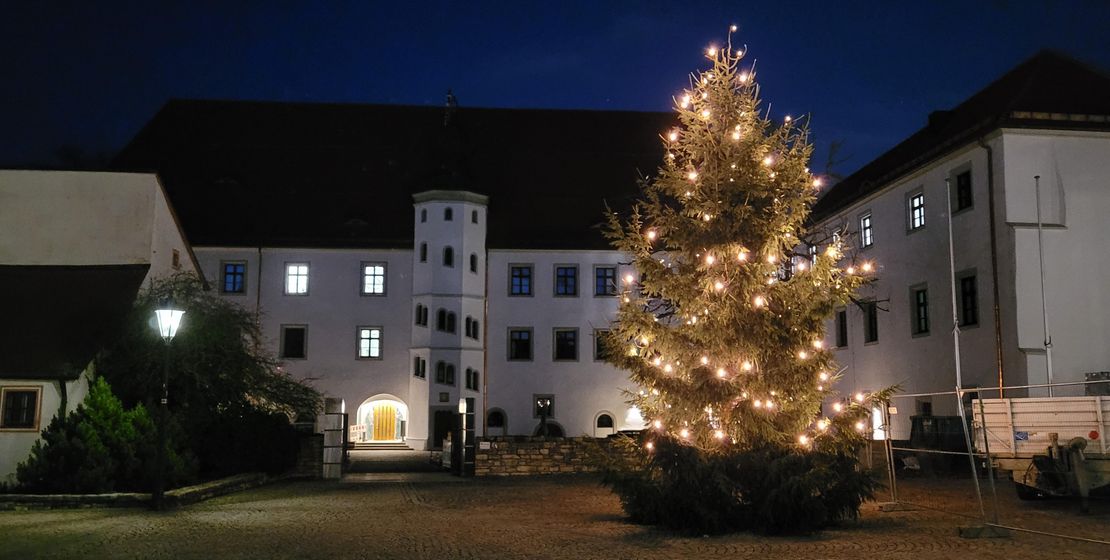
(723,327)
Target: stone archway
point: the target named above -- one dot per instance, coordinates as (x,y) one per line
(380,418)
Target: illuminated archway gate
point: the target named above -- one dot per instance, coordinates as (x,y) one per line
(380,420)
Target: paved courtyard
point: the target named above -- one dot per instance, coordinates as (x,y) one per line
(425,515)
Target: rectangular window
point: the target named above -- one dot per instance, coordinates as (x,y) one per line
(520,280)
(235,277)
(969,300)
(870,321)
(369,342)
(472,379)
(963,191)
(866,232)
(566,280)
(543,405)
(520,344)
(842,328)
(917,211)
(373,279)
(600,349)
(566,345)
(419,367)
(919,304)
(296,278)
(605,281)
(294,341)
(19,408)
(812,255)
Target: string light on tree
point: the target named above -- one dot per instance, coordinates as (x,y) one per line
(732,183)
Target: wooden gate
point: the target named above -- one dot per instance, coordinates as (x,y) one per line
(385,422)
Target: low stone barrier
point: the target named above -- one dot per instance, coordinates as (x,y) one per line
(522,455)
(176,497)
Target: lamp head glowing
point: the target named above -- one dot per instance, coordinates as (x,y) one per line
(169,319)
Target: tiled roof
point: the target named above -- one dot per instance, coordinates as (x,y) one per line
(1050,90)
(342,175)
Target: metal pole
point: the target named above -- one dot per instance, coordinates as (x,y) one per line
(1044,305)
(890,455)
(990,463)
(956,346)
(160,457)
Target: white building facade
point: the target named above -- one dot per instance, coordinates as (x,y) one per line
(901,332)
(401,335)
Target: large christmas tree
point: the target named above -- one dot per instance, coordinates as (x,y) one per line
(723,327)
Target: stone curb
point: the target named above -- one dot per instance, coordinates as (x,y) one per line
(174,498)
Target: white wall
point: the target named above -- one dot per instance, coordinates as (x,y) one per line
(1075,201)
(583,388)
(920,363)
(333,309)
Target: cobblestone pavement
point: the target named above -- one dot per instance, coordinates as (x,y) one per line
(520,518)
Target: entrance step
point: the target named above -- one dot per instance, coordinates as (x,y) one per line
(375,446)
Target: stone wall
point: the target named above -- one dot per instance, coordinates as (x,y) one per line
(522,455)
(310,457)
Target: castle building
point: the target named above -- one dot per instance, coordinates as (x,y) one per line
(406,257)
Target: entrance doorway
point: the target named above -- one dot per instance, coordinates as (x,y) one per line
(443,423)
(380,420)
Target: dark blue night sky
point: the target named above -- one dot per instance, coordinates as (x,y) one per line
(88,75)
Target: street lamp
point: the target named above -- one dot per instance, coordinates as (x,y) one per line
(169,319)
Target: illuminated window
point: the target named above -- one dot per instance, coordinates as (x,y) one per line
(296,279)
(917,211)
(373,279)
(369,342)
(866,232)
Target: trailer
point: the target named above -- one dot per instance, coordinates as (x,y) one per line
(1050,446)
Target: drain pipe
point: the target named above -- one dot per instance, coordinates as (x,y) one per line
(994,265)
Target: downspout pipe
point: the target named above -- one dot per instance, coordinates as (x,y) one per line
(994,266)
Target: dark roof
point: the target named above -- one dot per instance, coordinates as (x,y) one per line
(342,175)
(1050,90)
(57,317)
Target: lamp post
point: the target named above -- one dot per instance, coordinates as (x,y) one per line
(169,319)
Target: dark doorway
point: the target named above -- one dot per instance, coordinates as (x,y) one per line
(443,423)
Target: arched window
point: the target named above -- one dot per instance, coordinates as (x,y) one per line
(441,320)
(450,374)
(448,214)
(496,419)
(423,252)
(474,262)
(469,326)
(476,332)
(473,216)
(423,215)
(450,323)
(603,425)
(419,313)
(441,372)
(448,256)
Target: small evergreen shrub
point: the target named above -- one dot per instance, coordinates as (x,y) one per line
(100,447)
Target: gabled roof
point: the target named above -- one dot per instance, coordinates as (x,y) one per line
(342,175)
(58,317)
(1050,90)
